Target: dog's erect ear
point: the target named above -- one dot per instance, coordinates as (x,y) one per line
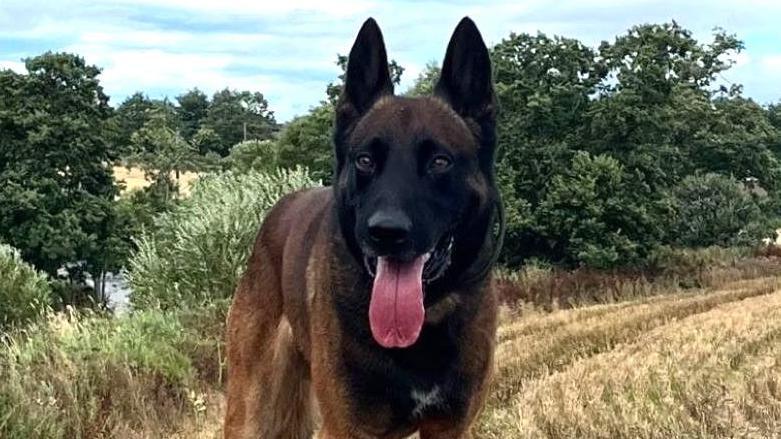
(367,77)
(466,82)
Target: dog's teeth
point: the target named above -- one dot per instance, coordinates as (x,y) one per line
(368,265)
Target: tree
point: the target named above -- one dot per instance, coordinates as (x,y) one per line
(645,101)
(162,153)
(192,110)
(206,141)
(56,184)
(774,117)
(307,141)
(426,80)
(134,112)
(586,217)
(544,87)
(236,116)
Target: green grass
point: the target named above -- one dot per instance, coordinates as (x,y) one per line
(85,375)
(198,251)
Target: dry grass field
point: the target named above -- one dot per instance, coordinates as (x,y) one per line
(695,364)
(134,179)
(702,364)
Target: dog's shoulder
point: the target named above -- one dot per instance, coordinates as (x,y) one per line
(294,213)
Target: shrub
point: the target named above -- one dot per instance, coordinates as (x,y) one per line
(199,249)
(253,155)
(24,292)
(588,218)
(713,209)
(82,374)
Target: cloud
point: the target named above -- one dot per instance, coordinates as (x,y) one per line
(772,63)
(344,8)
(16,66)
(286,49)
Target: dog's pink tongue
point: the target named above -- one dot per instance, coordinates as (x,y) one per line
(396,309)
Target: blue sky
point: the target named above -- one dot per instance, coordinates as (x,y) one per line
(287,48)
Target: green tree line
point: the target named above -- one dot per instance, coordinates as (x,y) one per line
(608,154)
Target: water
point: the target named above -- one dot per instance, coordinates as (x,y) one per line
(117,292)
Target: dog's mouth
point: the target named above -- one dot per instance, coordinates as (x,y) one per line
(396,311)
(438,260)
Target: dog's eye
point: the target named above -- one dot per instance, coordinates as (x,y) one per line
(440,163)
(364,163)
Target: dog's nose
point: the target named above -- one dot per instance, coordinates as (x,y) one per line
(389,228)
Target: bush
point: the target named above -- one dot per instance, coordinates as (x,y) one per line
(253,155)
(199,249)
(24,292)
(587,217)
(713,209)
(82,374)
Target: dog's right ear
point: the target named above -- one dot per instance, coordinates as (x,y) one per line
(367,78)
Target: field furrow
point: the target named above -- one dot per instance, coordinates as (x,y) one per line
(540,350)
(699,366)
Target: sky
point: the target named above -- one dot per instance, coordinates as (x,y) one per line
(287,49)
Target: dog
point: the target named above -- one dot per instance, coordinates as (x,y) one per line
(367,308)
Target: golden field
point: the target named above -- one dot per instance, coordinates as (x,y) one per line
(703,364)
(134,179)
(696,364)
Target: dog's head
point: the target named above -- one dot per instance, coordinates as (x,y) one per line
(415,176)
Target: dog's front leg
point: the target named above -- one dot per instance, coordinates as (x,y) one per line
(251,332)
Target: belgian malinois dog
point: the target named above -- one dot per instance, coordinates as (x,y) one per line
(367,307)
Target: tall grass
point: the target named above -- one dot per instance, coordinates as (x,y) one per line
(24,292)
(667,271)
(83,375)
(198,251)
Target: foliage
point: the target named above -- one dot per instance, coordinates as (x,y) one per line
(253,155)
(162,153)
(88,375)
(133,113)
(586,215)
(206,141)
(307,141)
(235,116)
(712,209)
(426,81)
(191,111)
(56,184)
(199,249)
(645,101)
(24,293)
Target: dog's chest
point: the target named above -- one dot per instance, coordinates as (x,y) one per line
(406,387)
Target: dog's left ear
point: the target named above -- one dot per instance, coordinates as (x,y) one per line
(367,78)
(465,82)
